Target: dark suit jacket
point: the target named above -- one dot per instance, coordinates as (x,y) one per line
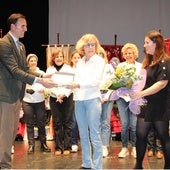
(14,73)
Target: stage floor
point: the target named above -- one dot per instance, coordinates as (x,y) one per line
(40,160)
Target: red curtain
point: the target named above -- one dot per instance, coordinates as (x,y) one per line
(113,51)
(167,42)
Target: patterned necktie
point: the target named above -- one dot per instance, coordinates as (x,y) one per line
(18,46)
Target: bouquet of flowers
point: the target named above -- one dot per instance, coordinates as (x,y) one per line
(125,81)
(124,76)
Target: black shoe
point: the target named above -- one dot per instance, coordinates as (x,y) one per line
(45,148)
(19,137)
(30,149)
(84,167)
(138,167)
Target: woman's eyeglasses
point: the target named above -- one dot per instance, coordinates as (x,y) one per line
(90,45)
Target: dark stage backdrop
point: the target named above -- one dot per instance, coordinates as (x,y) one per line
(36,12)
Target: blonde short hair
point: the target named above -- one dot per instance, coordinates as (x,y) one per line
(131,46)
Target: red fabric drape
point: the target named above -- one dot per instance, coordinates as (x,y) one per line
(113,51)
(167,41)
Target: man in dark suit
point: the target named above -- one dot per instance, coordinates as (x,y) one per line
(14,74)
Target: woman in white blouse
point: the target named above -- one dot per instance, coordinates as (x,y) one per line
(34,108)
(87,98)
(61,102)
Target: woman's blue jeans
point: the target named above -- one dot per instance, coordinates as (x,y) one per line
(75,131)
(128,123)
(88,113)
(105,122)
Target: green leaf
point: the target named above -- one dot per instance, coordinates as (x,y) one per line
(115,86)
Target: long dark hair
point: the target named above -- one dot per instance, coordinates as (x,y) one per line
(160,49)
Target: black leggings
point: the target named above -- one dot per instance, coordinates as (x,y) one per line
(142,130)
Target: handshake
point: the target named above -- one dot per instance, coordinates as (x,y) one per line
(47,81)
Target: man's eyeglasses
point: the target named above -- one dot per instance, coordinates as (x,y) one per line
(90,45)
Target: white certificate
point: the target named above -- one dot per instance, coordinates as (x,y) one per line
(63,77)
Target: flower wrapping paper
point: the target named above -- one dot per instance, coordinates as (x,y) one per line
(123,92)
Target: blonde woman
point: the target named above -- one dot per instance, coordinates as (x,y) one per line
(127,118)
(89,71)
